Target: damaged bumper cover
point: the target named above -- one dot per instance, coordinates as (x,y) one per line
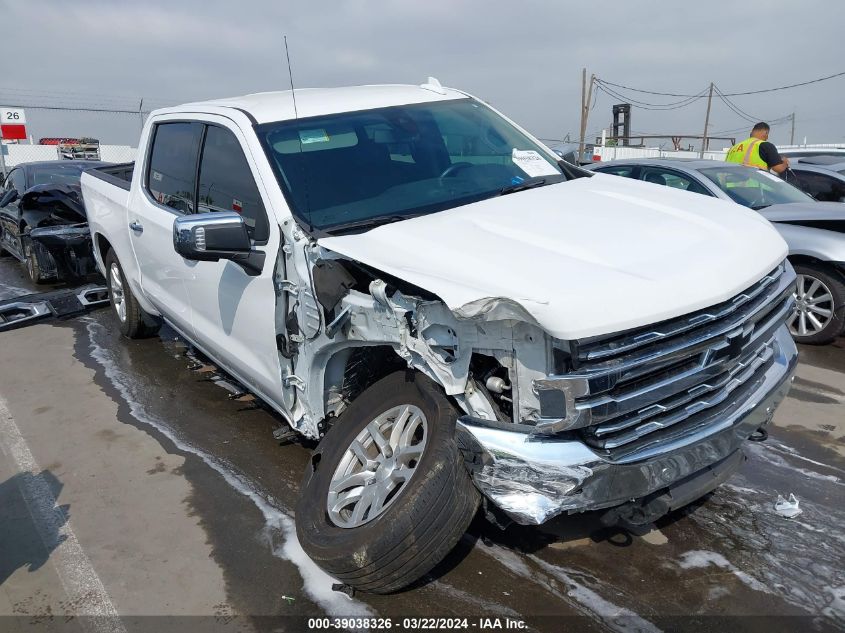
(64,252)
(533,477)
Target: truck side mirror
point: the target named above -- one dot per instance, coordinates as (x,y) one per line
(210,237)
(8,198)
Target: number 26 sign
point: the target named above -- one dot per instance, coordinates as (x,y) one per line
(13,123)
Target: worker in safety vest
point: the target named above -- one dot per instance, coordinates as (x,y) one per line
(756,151)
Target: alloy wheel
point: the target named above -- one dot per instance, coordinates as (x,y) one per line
(376,466)
(117,297)
(813,306)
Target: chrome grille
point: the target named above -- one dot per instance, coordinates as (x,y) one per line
(624,388)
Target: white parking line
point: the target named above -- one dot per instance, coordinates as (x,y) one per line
(79,580)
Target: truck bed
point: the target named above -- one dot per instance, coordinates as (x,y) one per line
(119,175)
(106,191)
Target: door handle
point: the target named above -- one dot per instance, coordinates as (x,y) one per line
(136,226)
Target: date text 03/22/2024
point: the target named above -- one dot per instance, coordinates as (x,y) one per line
(417,624)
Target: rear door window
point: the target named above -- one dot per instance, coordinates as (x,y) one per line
(173,164)
(672,178)
(627,171)
(226,182)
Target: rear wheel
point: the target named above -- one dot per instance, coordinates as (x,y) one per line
(134,321)
(387,496)
(819,315)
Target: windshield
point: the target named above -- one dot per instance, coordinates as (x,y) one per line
(753,188)
(60,174)
(375,166)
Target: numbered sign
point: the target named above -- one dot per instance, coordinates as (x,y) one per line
(12,123)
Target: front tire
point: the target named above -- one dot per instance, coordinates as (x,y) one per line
(133,320)
(33,263)
(386,495)
(819,315)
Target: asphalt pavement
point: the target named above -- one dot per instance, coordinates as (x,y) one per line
(136,494)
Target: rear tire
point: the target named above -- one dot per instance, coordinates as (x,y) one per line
(422,518)
(133,320)
(820,307)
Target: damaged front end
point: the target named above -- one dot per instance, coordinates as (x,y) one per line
(60,235)
(644,421)
(64,252)
(548,426)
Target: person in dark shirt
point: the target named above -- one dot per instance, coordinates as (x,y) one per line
(768,151)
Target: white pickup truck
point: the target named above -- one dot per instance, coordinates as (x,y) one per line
(457,315)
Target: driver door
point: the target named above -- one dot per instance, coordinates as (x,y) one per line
(233,312)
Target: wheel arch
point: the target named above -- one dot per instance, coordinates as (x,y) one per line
(830,267)
(352,369)
(101,248)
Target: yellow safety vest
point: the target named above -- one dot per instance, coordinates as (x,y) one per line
(747,153)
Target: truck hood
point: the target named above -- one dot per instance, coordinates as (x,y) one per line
(581,258)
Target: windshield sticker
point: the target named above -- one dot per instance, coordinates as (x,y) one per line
(532,163)
(237,205)
(313,136)
(157,175)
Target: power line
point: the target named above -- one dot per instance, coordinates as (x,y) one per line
(646,105)
(803,83)
(736,110)
(748,117)
(649,92)
(727,94)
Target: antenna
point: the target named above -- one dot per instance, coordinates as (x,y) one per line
(290,74)
(299,136)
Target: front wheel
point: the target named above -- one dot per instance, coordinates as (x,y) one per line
(819,315)
(33,263)
(133,320)
(386,495)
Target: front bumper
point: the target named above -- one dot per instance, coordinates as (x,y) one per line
(534,477)
(64,252)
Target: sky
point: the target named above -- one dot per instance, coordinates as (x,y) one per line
(525,57)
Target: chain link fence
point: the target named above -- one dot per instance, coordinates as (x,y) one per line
(115,122)
(17,153)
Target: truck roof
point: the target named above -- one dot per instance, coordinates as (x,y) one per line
(265,107)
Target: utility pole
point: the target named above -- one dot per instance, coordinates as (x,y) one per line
(706,122)
(586,97)
(792,133)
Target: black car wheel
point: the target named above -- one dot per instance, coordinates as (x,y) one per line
(33,264)
(819,315)
(386,495)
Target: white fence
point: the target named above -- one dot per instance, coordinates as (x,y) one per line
(617,153)
(15,154)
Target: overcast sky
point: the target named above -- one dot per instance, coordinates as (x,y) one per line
(523,57)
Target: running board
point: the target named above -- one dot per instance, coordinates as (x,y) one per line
(61,304)
(93,297)
(20,313)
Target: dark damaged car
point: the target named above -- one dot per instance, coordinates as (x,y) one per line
(43,221)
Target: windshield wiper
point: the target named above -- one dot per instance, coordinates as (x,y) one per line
(367,223)
(529,184)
